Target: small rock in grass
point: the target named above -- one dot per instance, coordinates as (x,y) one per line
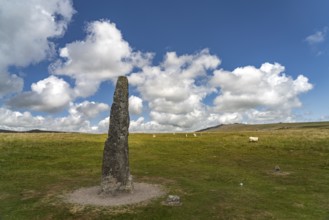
(277,168)
(172,200)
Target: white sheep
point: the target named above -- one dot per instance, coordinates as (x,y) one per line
(253,139)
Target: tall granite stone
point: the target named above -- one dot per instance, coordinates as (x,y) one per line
(116,176)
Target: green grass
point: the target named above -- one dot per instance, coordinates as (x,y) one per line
(36,170)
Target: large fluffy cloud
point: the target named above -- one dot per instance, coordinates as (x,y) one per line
(88,109)
(78,119)
(175,89)
(140,125)
(103,55)
(26,30)
(264,94)
(48,95)
(14,120)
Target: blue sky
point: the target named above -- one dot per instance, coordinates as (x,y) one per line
(190,64)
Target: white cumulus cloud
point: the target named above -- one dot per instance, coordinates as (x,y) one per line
(140,125)
(103,125)
(78,119)
(88,109)
(48,95)
(26,30)
(175,89)
(103,55)
(267,92)
(14,120)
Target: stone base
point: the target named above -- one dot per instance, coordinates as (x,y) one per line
(110,186)
(143,193)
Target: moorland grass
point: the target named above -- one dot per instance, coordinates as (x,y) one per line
(37,170)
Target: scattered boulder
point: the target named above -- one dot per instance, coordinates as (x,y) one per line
(277,171)
(277,168)
(172,200)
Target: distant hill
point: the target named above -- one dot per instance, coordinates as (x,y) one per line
(29,131)
(7,131)
(260,127)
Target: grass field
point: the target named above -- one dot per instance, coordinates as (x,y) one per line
(36,170)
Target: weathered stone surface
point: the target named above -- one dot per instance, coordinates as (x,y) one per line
(172,200)
(116,176)
(277,168)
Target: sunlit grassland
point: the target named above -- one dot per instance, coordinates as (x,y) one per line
(36,170)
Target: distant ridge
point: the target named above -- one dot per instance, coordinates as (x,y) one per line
(7,131)
(29,131)
(260,127)
(210,128)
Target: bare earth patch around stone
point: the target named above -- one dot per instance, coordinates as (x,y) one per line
(143,192)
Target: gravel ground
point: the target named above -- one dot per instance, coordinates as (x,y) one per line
(89,196)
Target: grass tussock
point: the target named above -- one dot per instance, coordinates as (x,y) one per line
(217,175)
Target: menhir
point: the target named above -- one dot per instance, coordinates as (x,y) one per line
(116,176)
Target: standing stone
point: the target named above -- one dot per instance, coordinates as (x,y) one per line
(116,176)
